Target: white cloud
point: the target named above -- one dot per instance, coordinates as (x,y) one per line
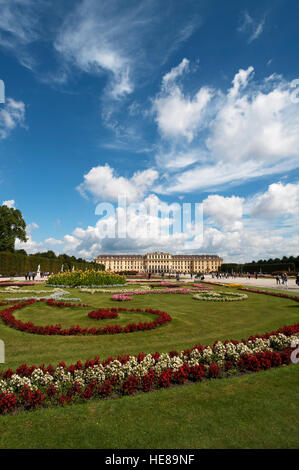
(113,38)
(16,22)
(175,72)
(251,27)
(225,211)
(53,241)
(11,116)
(231,228)
(257,124)
(174,160)
(10,203)
(178,115)
(240,81)
(19,28)
(220,176)
(278,201)
(89,38)
(31,246)
(102,183)
(251,131)
(32,226)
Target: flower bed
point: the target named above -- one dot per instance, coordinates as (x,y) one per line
(129,295)
(220,296)
(86,279)
(274,294)
(16,284)
(31,387)
(103,314)
(57,294)
(202,287)
(8,318)
(113,291)
(172,285)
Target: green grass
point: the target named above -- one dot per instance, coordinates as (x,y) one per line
(251,411)
(194,321)
(258,410)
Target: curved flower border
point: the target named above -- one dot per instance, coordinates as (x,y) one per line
(215,297)
(273,294)
(32,387)
(182,290)
(8,318)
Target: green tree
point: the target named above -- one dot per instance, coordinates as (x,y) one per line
(12,226)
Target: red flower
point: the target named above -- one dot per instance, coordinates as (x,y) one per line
(8,402)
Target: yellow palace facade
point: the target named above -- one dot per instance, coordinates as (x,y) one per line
(158,262)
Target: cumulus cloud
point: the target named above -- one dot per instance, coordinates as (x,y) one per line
(256,124)
(226,211)
(237,228)
(250,131)
(103,184)
(176,114)
(278,201)
(10,203)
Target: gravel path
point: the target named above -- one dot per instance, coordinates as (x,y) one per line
(260,282)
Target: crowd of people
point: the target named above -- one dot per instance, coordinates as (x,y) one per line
(283,279)
(30,276)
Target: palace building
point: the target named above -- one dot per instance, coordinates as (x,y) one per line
(161,262)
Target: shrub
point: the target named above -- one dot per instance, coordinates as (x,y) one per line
(86,278)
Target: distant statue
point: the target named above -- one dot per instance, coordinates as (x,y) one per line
(73,268)
(38,276)
(61,268)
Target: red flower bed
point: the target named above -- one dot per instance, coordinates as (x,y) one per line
(18,284)
(59,303)
(8,318)
(28,399)
(274,294)
(102,314)
(8,402)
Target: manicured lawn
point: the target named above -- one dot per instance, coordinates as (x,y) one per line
(193,322)
(257,410)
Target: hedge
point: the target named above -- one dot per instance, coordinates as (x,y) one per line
(16,263)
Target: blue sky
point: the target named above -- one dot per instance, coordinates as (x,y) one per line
(195,101)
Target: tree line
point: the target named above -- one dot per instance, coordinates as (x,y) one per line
(12,261)
(288,264)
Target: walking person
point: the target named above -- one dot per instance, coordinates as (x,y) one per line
(297,279)
(286,280)
(277,280)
